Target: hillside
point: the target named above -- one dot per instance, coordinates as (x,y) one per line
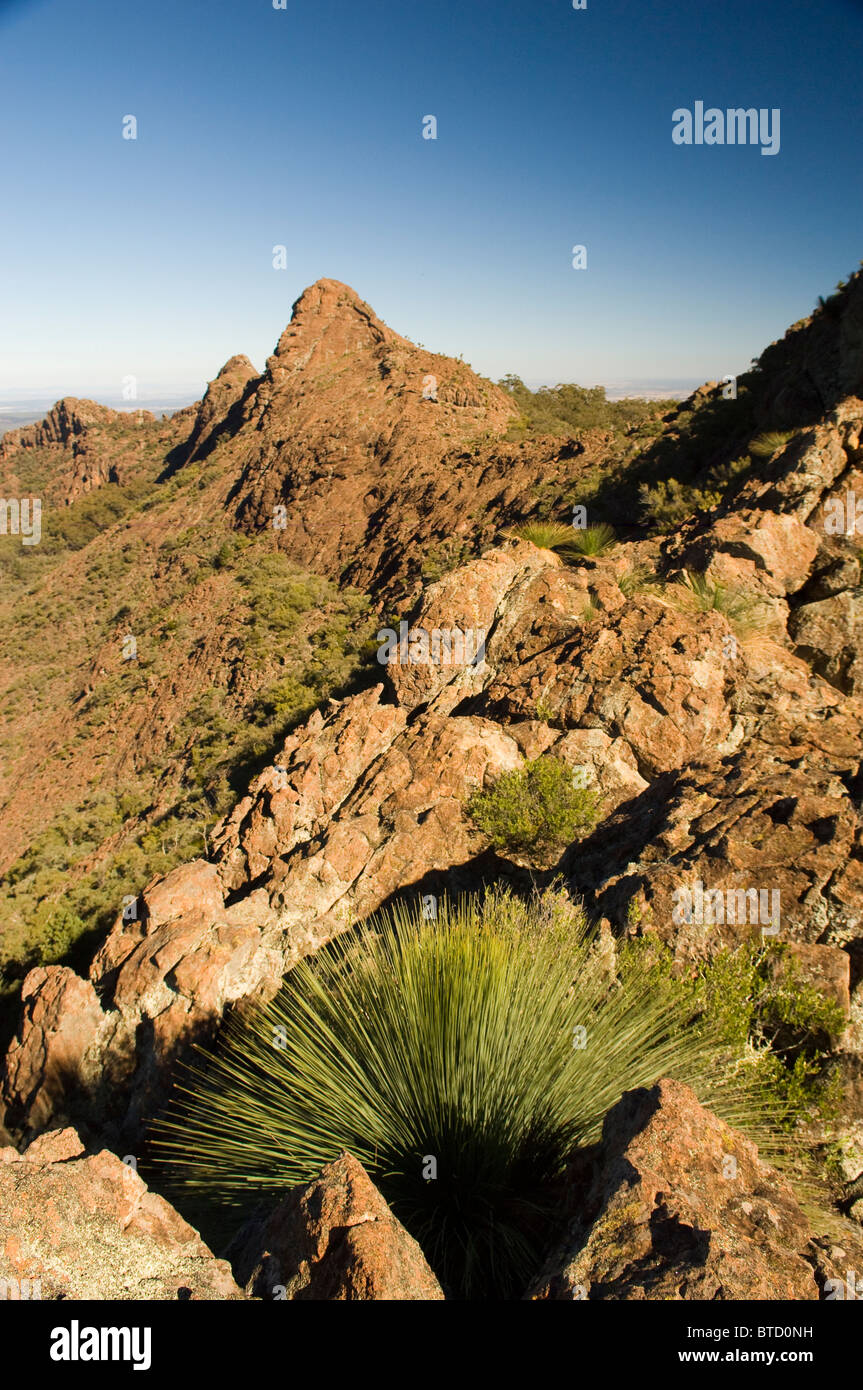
(249,773)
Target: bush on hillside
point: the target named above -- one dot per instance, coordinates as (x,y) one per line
(492,1041)
(535,808)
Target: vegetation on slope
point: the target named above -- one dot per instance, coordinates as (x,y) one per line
(234,645)
(462,1063)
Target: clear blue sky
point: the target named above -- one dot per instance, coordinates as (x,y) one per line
(303,127)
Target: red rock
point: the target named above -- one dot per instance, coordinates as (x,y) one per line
(335,1239)
(661,1220)
(87,1227)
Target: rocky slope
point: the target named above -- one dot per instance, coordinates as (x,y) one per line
(727,756)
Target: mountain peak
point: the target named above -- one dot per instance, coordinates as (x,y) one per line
(328,320)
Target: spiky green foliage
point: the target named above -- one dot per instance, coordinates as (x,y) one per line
(493,1040)
(592,540)
(638,579)
(745,612)
(766,445)
(547,535)
(535,808)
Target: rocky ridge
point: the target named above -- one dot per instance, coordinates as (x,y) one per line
(722,759)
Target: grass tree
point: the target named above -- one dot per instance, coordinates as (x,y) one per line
(462,1061)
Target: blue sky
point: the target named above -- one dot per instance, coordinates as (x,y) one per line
(303,127)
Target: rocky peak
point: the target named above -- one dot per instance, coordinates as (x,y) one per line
(328,320)
(66,422)
(218,412)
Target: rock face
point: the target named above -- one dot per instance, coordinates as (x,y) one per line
(736,772)
(681,1207)
(724,759)
(85,1226)
(65,425)
(336,1240)
(221,407)
(77,431)
(367,455)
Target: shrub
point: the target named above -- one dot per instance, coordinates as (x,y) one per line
(56,928)
(755,998)
(493,1041)
(443,558)
(536,807)
(592,540)
(667,503)
(637,579)
(569,409)
(744,611)
(767,444)
(547,535)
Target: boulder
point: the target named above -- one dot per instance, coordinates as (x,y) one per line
(85,1226)
(335,1239)
(680,1207)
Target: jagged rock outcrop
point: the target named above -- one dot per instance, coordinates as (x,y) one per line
(76,430)
(681,1207)
(85,1226)
(360,450)
(334,1239)
(722,758)
(65,425)
(738,772)
(221,406)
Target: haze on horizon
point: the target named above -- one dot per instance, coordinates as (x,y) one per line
(303,128)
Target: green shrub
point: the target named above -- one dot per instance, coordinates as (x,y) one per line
(55,930)
(536,807)
(442,559)
(667,503)
(767,444)
(493,1041)
(638,579)
(547,535)
(570,409)
(744,611)
(782,1024)
(592,540)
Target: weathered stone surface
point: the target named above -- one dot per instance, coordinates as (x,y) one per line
(55,1046)
(87,1227)
(734,762)
(335,1239)
(774,819)
(663,1221)
(829,636)
(221,406)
